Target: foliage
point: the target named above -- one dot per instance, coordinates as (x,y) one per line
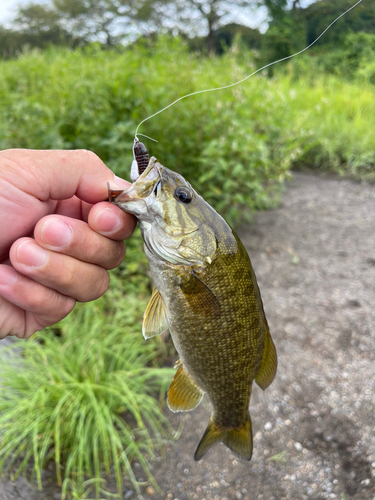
(235,146)
(209,25)
(94,99)
(86,396)
(13,41)
(290,30)
(107,21)
(225,37)
(351,59)
(319,14)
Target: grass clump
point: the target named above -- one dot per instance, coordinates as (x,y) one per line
(88,399)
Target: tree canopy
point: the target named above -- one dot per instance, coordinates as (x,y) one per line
(206,23)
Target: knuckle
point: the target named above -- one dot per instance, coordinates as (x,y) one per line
(54,308)
(90,156)
(117,256)
(36,301)
(69,277)
(63,306)
(97,286)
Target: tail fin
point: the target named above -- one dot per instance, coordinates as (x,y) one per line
(239,440)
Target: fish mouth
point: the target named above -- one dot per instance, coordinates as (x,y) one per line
(113,193)
(128,201)
(117,196)
(143,177)
(133,199)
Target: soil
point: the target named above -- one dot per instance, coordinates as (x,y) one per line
(314,427)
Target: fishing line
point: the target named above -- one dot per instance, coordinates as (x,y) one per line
(151,139)
(246,77)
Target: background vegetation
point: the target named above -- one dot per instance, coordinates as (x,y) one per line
(237,147)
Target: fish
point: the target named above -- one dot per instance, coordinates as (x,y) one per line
(206,294)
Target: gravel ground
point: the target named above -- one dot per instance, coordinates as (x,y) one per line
(314,426)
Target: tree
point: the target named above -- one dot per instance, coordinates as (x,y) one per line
(285,34)
(195,16)
(316,15)
(114,21)
(277,9)
(224,37)
(34,26)
(107,21)
(35,19)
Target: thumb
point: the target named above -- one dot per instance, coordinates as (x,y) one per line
(58,175)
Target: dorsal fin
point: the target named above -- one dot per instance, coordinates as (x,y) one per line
(268,367)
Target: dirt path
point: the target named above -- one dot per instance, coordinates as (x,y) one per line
(313,428)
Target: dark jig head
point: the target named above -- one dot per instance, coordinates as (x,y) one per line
(141,156)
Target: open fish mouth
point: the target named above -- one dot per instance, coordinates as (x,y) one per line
(141,167)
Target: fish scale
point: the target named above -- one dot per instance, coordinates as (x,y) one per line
(207,295)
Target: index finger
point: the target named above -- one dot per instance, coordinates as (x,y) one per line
(58,175)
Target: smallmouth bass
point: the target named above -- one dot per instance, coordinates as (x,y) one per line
(207,295)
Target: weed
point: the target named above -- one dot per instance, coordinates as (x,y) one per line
(280,457)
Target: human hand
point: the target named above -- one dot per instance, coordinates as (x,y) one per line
(56,196)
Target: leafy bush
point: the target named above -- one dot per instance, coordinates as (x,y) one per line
(356,52)
(94,99)
(236,146)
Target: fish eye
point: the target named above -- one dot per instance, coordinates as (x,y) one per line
(183,194)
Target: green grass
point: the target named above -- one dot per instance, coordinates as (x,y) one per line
(88,399)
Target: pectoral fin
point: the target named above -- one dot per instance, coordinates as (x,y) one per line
(155,319)
(268,367)
(183,393)
(200,297)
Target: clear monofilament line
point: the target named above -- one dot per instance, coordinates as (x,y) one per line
(249,76)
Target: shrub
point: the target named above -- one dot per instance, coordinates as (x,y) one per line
(235,146)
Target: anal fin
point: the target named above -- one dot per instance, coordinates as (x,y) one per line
(268,367)
(155,319)
(183,393)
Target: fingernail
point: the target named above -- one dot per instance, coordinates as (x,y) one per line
(56,233)
(121,183)
(107,221)
(8,276)
(31,254)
